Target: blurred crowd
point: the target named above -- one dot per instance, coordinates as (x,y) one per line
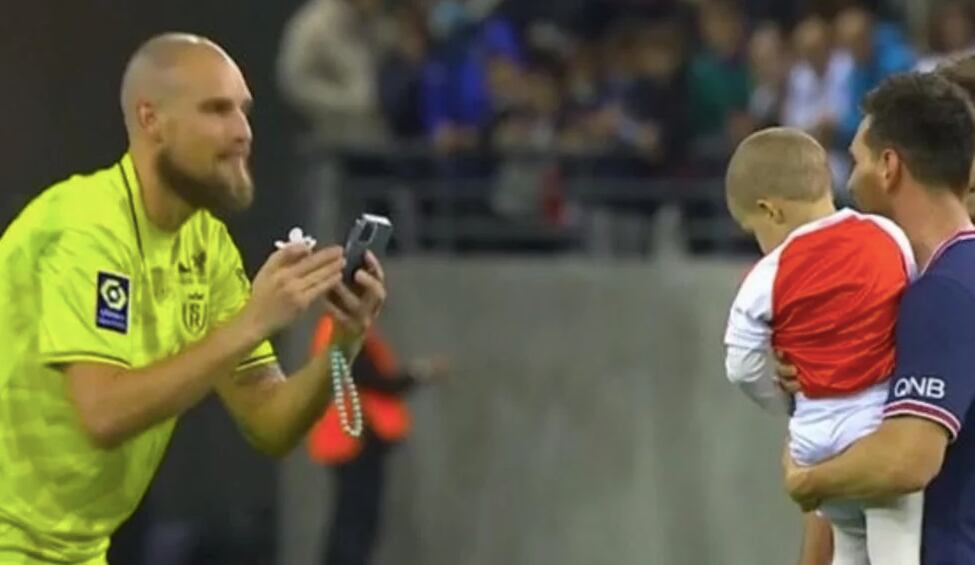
(673,84)
(531,95)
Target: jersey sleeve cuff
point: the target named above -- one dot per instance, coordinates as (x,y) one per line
(66,357)
(257,361)
(747,339)
(927,411)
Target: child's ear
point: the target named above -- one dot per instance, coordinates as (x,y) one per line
(770,211)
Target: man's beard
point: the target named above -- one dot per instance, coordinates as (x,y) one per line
(209,193)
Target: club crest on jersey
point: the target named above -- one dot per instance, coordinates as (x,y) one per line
(195,312)
(112,302)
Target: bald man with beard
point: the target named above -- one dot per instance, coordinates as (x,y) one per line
(124,303)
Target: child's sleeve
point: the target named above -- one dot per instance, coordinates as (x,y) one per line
(748,341)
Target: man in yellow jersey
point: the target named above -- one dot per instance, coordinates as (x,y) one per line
(123,303)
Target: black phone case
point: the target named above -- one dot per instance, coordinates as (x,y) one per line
(370,233)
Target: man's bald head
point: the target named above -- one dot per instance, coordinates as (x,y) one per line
(153,71)
(783,163)
(186,107)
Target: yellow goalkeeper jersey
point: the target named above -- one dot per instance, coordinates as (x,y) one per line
(84,276)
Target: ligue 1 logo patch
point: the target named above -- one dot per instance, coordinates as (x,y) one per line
(112,311)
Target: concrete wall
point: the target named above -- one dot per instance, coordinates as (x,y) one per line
(588,422)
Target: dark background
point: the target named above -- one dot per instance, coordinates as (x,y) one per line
(61,65)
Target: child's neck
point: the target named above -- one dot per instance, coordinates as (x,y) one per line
(802,213)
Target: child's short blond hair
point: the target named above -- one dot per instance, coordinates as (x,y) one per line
(777,162)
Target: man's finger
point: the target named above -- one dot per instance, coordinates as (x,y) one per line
(326,271)
(341,317)
(374,267)
(790,385)
(786,371)
(287,255)
(373,292)
(342,297)
(782,365)
(322,287)
(330,257)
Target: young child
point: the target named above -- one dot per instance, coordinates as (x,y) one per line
(825,295)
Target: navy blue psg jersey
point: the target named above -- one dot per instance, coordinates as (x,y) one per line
(934,378)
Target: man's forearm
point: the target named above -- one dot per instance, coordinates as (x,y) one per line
(277,412)
(116,405)
(291,407)
(874,467)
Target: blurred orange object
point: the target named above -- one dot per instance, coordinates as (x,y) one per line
(386,415)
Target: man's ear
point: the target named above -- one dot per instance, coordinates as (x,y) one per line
(970,201)
(149,120)
(891,168)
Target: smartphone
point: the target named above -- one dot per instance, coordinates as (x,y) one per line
(369,233)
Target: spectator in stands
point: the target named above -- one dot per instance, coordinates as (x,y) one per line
(456,102)
(599,81)
(527,106)
(879,50)
(584,93)
(719,82)
(508,90)
(401,75)
(639,111)
(768,59)
(818,91)
(951,33)
(818,82)
(654,112)
(784,14)
(527,120)
(328,68)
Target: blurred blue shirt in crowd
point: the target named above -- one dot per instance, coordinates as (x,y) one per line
(455,87)
(890,54)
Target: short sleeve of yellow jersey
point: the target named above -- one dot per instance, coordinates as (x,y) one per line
(230,292)
(86,288)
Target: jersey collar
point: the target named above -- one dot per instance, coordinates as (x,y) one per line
(145,231)
(824,222)
(133,194)
(963,235)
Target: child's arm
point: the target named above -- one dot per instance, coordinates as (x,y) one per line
(752,372)
(748,341)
